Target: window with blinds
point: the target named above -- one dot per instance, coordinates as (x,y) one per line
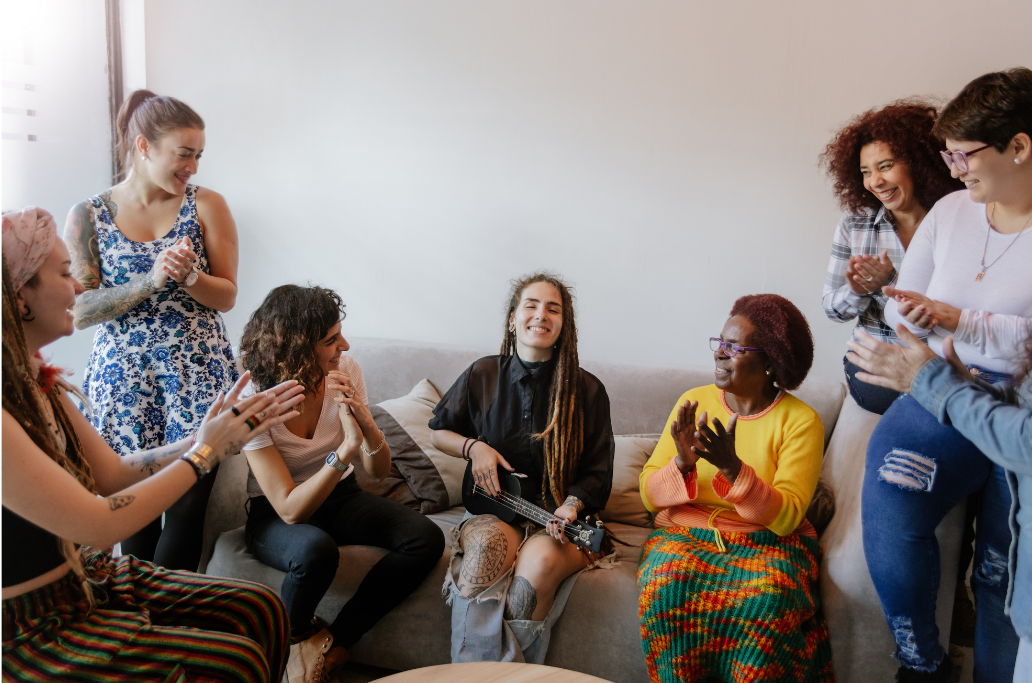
(56,145)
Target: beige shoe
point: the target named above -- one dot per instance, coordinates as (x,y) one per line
(307,663)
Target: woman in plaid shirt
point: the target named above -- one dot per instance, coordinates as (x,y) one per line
(887,174)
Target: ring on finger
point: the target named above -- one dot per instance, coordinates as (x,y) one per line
(235,410)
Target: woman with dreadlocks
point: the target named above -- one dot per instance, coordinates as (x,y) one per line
(533,410)
(71,612)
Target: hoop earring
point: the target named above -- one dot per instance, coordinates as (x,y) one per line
(27,315)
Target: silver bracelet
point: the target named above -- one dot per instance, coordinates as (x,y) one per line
(383,440)
(197,456)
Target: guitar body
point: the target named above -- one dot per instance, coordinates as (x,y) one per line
(516,505)
(478,504)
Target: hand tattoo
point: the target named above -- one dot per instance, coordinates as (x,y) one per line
(574,502)
(116,502)
(100,305)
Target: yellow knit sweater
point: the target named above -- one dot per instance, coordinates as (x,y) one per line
(781,450)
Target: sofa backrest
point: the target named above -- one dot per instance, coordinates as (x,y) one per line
(641,398)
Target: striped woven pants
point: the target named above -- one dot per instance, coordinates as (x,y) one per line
(745,615)
(149,625)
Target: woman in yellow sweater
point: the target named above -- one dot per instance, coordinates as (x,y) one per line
(729,578)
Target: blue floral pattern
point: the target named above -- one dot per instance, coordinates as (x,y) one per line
(154,371)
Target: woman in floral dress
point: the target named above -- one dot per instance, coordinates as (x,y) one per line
(157,257)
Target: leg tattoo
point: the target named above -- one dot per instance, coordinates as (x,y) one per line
(521,601)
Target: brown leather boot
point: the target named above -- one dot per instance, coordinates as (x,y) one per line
(307,662)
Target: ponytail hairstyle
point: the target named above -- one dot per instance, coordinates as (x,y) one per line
(153,117)
(279,340)
(23,399)
(564,436)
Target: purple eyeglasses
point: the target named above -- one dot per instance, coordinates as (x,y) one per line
(730,349)
(960,158)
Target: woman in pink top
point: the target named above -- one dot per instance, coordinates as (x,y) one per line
(303,498)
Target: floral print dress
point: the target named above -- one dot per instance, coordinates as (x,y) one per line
(154,372)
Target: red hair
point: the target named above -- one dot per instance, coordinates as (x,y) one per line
(783,334)
(906,127)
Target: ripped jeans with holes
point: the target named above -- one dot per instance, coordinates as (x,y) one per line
(916,471)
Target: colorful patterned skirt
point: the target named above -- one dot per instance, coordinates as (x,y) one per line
(149,625)
(751,613)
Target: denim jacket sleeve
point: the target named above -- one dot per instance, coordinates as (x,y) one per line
(1000,429)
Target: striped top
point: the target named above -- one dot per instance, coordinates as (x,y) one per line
(861,234)
(781,450)
(304,457)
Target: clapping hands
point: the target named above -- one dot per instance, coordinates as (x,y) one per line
(866,274)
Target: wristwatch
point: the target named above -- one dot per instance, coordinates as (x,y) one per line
(191,279)
(336,464)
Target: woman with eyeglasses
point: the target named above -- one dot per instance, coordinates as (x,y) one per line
(967,273)
(729,578)
(887,176)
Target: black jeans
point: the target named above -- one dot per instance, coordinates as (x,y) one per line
(309,554)
(870,397)
(178,544)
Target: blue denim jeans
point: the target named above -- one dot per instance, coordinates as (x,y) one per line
(870,397)
(309,554)
(917,470)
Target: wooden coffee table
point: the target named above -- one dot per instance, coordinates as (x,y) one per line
(491,672)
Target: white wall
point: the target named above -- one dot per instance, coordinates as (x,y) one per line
(59,48)
(662,155)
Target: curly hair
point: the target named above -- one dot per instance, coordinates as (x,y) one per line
(992,109)
(783,334)
(564,436)
(906,127)
(279,340)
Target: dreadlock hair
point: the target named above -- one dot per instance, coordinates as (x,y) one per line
(564,436)
(23,400)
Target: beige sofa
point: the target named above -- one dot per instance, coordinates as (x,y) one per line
(598,632)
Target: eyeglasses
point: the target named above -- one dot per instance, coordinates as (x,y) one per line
(959,158)
(730,349)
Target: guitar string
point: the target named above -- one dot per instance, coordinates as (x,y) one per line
(568,531)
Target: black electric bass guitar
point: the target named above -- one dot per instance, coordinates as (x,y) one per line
(513,503)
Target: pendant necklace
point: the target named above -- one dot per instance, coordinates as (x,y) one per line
(992,214)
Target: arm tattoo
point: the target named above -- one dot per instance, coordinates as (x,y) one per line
(521,601)
(81,238)
(100,305)
(117,502)
(153,460)
(574,502)
(109,203)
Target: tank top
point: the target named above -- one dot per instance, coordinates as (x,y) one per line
(29,550)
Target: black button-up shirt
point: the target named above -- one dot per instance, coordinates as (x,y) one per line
(504,402)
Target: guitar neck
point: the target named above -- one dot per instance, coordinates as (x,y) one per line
(527,509)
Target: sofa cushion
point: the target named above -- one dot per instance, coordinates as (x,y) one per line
(625,504)
(433,477)
(598,632)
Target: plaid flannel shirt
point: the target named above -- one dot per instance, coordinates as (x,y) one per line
(857,234)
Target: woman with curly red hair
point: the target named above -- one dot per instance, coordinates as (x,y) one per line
(729,578)
(887,176)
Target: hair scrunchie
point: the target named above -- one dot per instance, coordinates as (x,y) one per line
(28,238)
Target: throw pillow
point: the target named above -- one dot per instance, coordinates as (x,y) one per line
(625,505)
(434,478)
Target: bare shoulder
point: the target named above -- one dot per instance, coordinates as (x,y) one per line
(210,200)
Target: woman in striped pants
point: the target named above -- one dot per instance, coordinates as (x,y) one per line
(72,613)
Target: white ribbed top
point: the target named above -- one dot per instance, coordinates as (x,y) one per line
(304,457)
